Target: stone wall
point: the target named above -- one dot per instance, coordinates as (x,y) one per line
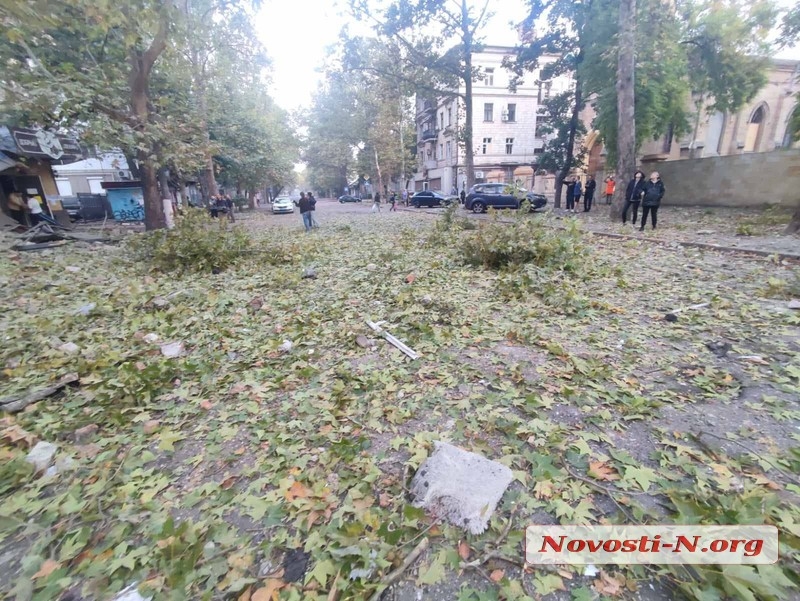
(742,180)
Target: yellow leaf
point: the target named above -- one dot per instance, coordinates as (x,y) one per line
(463,550)
(497,575)
(600,471)
(269,591)
(297,491)
(48,567)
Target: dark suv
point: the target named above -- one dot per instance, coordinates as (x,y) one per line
(500,196)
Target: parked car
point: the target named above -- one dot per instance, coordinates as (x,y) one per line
(282,204)
(72,205)
(347,198)
(501,196)
(432,198)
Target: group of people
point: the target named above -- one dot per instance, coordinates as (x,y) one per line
(307,205)
(376,201)
(26,210)
(640,191)
(221,203)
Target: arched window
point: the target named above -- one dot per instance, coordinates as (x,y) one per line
(789,134)
(755,129)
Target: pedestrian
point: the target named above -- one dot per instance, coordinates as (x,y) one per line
(610,187)
(588,194)
(454,191)
(312,202)
(230,206)
(571,195)
(376,202)
(651,199)
(212,206)
(392,201)
(463,195)
(633,196)
(35,209)
(305,211)
(16,207)
(405,197)
(577,192)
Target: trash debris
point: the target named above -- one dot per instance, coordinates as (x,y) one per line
(150,338)
(392,340)
(42,455)
(794,304)
(294,565)
(364,342)
(459,486)
(69,347)
(131,594)
(591,571)
(673,315)
(85,309)
(160,302)
(173,349)
(720,349)
(309,274)
(73,268)
(286,346)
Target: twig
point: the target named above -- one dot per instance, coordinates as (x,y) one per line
(749,449)
(606,491)
(496,554)
(13,404)
(394,576)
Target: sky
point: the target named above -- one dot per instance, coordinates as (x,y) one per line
(296,34)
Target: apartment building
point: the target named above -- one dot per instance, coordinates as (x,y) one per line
(505,138)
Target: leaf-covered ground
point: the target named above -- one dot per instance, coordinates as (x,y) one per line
(242,471)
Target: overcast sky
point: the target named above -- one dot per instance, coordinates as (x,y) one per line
(297,32)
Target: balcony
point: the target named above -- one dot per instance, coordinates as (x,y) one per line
(431,164)
(429,134)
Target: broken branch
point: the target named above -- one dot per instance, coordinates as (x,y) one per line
(13,404)
(394,576)
(392,340)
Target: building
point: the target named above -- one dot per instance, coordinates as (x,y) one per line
(504,125)
(85,177)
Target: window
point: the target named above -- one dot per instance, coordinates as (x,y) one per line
(489,80)
(511,112)
(509,145)
(449,153)
(544,90)
(449,117)
(441,151)
(488,112)
(441,120)
(486,143)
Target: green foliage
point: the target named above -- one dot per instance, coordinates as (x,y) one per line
(14,473)
(197,243)
(498,245)
(744,229)
(556,122)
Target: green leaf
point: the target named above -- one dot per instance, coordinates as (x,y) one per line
(322,571)
(435,571)
(643,476)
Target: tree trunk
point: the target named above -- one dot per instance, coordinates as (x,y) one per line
(378,167)
(573,131)
(163,183)
(626,117)
(154,217)
(469,158)
(559,184)
(794,224)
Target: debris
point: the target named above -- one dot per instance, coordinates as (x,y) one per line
(392,340)
(720,349)
(172,349)
(364,342)
(705,232)
(410,278)
(459,486)
(294,565)
(85,309)
(151,338)
(673,315)
(309,274)
(12,404)
(130,594)
(286,346)
(73,268)
(265,568)
(256,303)
(160,302)
(394,576)
(69,347)
(41,455)
(591,571)
(794,304)
(427,300)
(754,359)
(81,434)
(372,267)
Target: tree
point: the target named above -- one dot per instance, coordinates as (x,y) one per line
(437,38)
(89,65)
(567,24)
(626,117)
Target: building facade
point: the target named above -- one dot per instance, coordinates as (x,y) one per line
(504,128)
(85,177)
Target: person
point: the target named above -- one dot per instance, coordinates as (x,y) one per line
(229,206)
(16,207)
(213,206)
(392,201)
(312,202)
(454,191)
(35,209)
(651,199)
(588,194)
(577,193)
(405,197)
(305,211)
(633,195)
(610,187)
(463,195)
(571,195)
(376,202)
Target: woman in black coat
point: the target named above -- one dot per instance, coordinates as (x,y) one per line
(651,199)
(633,196)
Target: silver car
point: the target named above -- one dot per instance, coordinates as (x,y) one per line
(282,204)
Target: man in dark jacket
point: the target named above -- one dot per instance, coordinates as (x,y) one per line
(588,194)
(571,195)
(651,199)
(305,210)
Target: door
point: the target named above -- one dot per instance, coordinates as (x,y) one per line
(494,197)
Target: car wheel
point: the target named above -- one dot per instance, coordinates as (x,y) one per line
(415,205)
(478,207)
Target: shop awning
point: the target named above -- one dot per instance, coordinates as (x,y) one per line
(40,144)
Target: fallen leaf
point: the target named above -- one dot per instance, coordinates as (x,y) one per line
(48,567)
(410,278)
(245,596)
(17,436)
(239,451)
(609,585)
(497,575)
(151,426)
(297,491)
(384,499)
(600,471)
(463,550)
(269,591)
(206,404)
(228,482)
